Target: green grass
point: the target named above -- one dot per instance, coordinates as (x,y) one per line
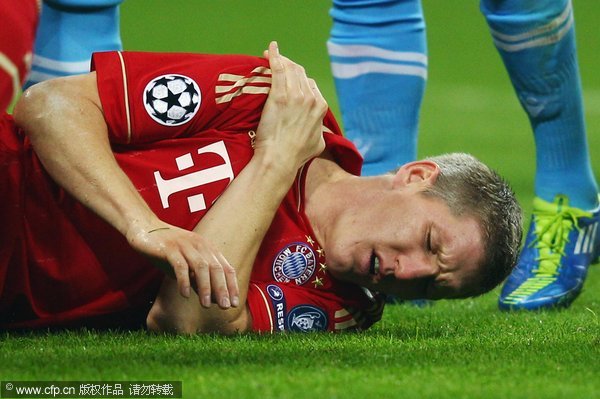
(455,349)
(460,349)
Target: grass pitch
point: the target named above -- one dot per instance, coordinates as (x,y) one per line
(459,349)
(455,349)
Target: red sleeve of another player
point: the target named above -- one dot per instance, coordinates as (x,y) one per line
(152,96)
(277,307)
(19,21)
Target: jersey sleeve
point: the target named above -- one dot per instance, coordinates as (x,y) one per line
(277,307)
(148,97)
(343,150)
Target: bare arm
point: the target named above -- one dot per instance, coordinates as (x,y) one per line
(292,119)
(64,120)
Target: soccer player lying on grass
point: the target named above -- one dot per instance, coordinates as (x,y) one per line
(151,144)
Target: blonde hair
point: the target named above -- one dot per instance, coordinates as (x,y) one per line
(469,187)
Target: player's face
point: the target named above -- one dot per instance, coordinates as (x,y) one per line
(408,245)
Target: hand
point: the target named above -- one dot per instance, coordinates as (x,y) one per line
(190,257)
(290,131)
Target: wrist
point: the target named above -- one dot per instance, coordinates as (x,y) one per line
(276,164)
(139,224)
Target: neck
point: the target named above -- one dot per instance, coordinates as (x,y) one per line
(331,193)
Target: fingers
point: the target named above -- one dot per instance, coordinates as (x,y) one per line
(297,84)
(190,258)
(180,267)
(294,108)
(288,79)
(231,281)
(322,105)
(214,277)
(302,84)
(278,78)
(219,286)
(272,48)
(203,287)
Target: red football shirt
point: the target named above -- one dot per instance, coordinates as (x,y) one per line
(181,127)
(19,25)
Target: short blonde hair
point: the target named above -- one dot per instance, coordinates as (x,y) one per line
(469,187)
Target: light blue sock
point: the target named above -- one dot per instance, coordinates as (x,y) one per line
(68,33)
(536,40)
(378,57)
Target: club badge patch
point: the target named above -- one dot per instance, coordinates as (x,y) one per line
(296,262)
(172,100)
(305,318)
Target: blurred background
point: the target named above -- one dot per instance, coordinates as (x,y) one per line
(469,104)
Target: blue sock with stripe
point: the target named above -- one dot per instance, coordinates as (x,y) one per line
(536,40)
(378,55)
(69,32)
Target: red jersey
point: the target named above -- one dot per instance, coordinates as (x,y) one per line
(181,126)
(19,24)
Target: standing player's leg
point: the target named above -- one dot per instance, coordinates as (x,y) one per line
(379,62)
(536,40)
(16,46)
(69,31)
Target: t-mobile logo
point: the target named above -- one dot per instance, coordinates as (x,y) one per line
(196,202)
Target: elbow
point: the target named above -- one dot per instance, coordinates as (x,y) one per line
(159,321)
(41,105)
(55,101)
(31,104)
(227,322)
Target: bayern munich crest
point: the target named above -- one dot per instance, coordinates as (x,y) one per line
(296,262)
(172,100)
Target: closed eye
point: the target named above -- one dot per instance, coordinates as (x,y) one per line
(428,240)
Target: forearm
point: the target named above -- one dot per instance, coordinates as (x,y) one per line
(253,202)
(64,121)
(236,225)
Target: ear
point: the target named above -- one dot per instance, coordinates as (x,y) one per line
(419,172)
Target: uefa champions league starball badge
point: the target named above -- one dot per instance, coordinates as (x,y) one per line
(172,100)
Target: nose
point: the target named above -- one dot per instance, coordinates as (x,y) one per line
(412,267)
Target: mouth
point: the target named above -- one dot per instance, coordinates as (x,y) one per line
(374,265)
